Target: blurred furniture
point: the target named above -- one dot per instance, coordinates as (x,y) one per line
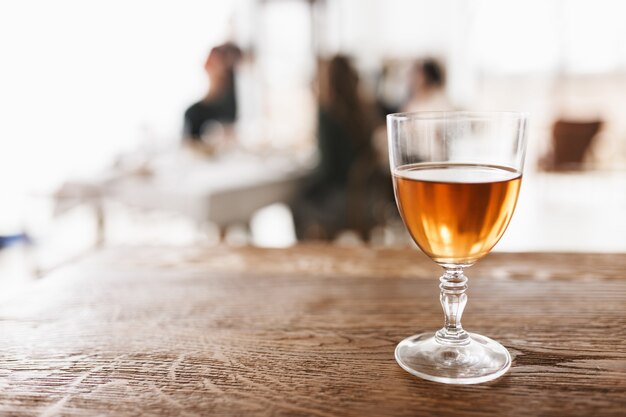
(571,142)
(224,190)
(309,330)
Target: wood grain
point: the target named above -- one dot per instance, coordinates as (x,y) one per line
(307,331)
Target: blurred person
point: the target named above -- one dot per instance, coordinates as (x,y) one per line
(345,122)
(427,87)
(219,105)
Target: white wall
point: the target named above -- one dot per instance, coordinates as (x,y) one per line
(82,81)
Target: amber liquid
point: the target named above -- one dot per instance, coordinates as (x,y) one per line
(456,213)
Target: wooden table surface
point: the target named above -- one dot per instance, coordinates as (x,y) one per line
(306,331)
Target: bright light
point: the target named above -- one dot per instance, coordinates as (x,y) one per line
(83,81)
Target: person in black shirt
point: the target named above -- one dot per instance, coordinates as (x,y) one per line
(220,102)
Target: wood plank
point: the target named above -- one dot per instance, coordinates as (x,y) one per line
(307,331)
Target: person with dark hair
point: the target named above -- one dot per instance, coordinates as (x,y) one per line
(344,129)
(219,103)
(432,73)
(427,87)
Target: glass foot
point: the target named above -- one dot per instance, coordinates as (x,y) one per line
(479,360)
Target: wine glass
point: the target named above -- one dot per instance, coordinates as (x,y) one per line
(456,179)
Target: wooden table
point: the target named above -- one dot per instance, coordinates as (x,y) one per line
(306,331)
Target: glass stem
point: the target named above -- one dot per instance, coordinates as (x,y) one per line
(453,299)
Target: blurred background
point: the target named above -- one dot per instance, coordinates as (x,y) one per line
(205,122)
